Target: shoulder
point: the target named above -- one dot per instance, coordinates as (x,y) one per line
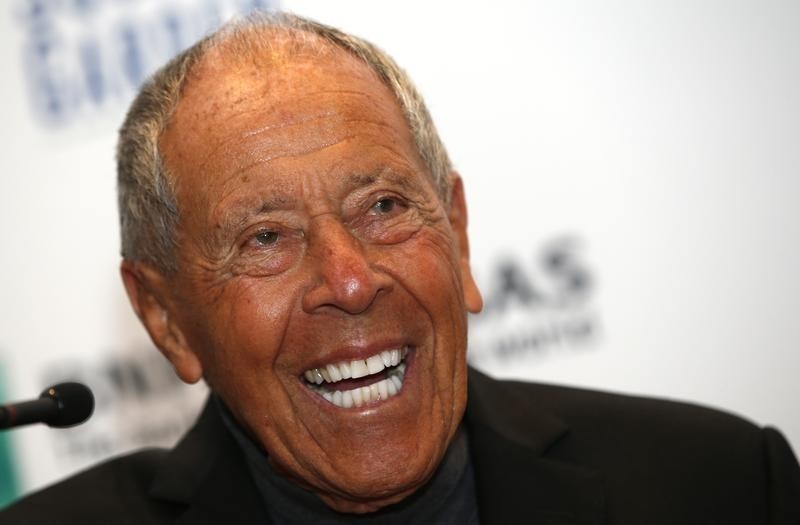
(632,437)
(117,487)
(584,409)
(608,414)
(653,448)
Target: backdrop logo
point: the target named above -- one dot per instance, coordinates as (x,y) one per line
(536,306)
(83,56)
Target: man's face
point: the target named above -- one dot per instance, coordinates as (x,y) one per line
(312,238)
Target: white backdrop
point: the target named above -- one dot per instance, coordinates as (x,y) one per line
(632,170)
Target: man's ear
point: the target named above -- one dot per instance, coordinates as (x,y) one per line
(148,290)
(458,221)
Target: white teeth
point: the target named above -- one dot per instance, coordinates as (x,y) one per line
(375,364)
(357,399)
(383,389)
(358,368)
(335,372)
(391,388)
(378,391)
(347,398)
(325,375)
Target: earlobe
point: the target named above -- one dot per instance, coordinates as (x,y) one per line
(147,288)
(458,221)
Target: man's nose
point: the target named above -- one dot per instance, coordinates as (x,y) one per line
(345,278)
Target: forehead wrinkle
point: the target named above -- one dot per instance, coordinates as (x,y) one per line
(295,147)
(287,155)
(291,148)
(323,114)
(223,143)
(264,129)
(338,102)
(290,153)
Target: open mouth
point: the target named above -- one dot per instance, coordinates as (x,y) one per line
(358,382)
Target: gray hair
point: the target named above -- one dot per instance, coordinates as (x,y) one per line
(147,205)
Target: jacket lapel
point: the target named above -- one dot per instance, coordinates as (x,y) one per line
(515,481)
(205,477)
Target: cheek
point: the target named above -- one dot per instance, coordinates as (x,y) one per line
(434,280)
(246,325)
(428,267)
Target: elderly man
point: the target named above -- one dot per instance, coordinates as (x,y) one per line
(294,235)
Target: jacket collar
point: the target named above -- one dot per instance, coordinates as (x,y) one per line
(509,439)
(206,473)
(515,480)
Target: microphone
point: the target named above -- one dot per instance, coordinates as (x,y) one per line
(59,406)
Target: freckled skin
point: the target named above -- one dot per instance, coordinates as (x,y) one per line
(308,226)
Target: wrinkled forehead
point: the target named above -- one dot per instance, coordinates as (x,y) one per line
(273,60)
(235,92)
(240,112)
(240,79)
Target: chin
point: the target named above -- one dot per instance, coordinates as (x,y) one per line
(383,480)
(364,506)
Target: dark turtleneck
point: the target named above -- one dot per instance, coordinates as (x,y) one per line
(448,498)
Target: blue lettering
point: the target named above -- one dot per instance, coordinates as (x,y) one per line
(47,86)
(173,26)
(68,73)
(132,57)
(93,71)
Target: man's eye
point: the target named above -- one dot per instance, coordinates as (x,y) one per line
(266,238)
(385,205)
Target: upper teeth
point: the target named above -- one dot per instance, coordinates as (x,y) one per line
(381,390)
(356,368)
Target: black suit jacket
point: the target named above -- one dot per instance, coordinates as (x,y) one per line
(542,455)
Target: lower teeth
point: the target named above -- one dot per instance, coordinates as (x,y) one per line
(382,389)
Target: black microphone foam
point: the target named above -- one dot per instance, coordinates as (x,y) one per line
(61,405)
(75,404)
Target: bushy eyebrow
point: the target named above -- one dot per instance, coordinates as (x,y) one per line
(271,204)
(387,174)
(238,217)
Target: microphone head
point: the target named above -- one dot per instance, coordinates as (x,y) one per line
(75,404)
